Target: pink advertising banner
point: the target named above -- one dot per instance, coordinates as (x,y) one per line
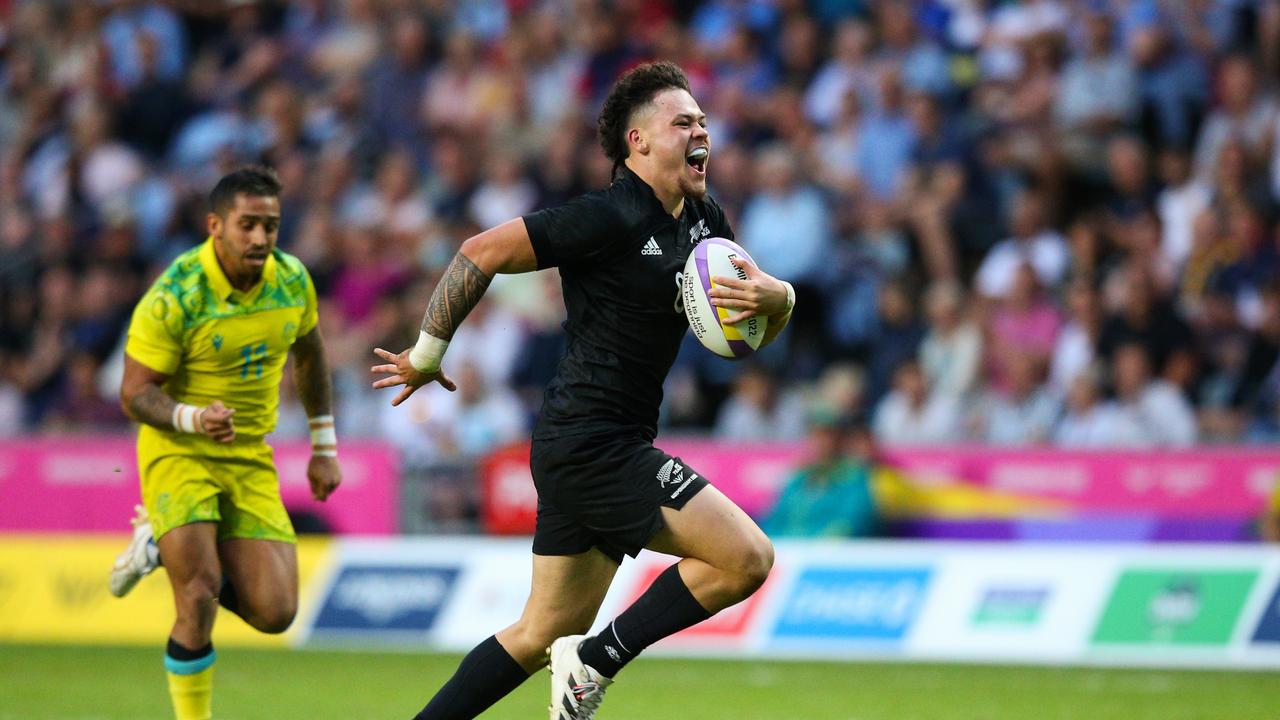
(91,484)
(1217,482)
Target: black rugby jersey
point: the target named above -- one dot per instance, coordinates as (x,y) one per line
(621,259)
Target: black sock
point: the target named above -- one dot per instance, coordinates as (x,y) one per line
(666,608)
(184,653)
(227,597)
(485,676)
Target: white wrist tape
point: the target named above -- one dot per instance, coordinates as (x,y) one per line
(791,296)
(186,418)
(427,352)
(324,439)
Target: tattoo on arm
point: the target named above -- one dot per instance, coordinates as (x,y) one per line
(311,374)
(458,291)
(153,406)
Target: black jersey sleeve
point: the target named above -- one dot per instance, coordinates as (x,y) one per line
(581,232)
(719,224)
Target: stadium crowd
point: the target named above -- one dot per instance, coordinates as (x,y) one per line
(1007,222)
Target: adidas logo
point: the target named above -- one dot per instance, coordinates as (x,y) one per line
(651,247)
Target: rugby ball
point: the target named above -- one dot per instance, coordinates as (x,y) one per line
(709,259)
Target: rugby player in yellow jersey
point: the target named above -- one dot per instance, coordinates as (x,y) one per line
(205,354)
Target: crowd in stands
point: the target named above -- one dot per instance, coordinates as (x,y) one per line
(1045,221)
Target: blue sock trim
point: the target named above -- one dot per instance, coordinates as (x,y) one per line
(189,667)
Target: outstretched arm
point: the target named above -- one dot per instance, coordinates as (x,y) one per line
(503,249)
(315,390)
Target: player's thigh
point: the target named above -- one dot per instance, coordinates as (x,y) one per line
(264,573)
(190,556)
(713,529)
(178,490)
(567,591)
(250,504)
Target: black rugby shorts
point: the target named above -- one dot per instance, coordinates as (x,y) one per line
(605,492)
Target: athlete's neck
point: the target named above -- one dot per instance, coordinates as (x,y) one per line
(672,198)
(243,282)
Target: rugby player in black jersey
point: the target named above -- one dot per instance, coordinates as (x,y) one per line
(604,490)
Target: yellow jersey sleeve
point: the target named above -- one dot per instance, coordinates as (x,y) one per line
(311,312)
(155,331)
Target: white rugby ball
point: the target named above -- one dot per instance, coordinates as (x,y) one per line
(711,258)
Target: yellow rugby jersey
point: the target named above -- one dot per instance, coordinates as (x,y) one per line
(218,343)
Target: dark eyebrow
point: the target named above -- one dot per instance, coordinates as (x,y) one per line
(689,116)
(260,218)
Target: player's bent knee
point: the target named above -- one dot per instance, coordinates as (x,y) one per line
(198,592)
(755,563)
(276,619)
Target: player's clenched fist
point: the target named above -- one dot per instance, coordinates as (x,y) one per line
(215,421)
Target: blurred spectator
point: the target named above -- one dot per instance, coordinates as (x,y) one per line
(885,140)
(847,80)
(1173,83)
(1099,89)
(120,31)
(78,407)
(758,410)
(1222,347)
(897,339)
(1089,422)
(912,415)
(1258,391)
(924,65)
(1181,201)
(832,495)
(1152,412)
(1244,115)
(396,83)
(951,353)
(1032,242)
(11,400)
(1146,320)
(785,224)
(1025,323)
(1076,347)
(440,426)
(1025,413)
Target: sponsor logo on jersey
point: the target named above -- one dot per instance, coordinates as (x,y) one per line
(390,598)
(698,232)
(1191,606)
(671,473)
(651,247)
(852,604)
(684,485)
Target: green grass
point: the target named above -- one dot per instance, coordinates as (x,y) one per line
(100,683)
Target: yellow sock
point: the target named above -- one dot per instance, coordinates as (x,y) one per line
(192,694)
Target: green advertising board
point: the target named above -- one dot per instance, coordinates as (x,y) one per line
(1160,606)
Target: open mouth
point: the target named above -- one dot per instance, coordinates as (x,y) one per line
(697,159)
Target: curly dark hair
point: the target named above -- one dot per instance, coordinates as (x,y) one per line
(636,88)
(255,180)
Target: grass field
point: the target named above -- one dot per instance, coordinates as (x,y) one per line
(97,683)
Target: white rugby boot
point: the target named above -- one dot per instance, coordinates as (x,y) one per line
(138,560)
(576,688)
